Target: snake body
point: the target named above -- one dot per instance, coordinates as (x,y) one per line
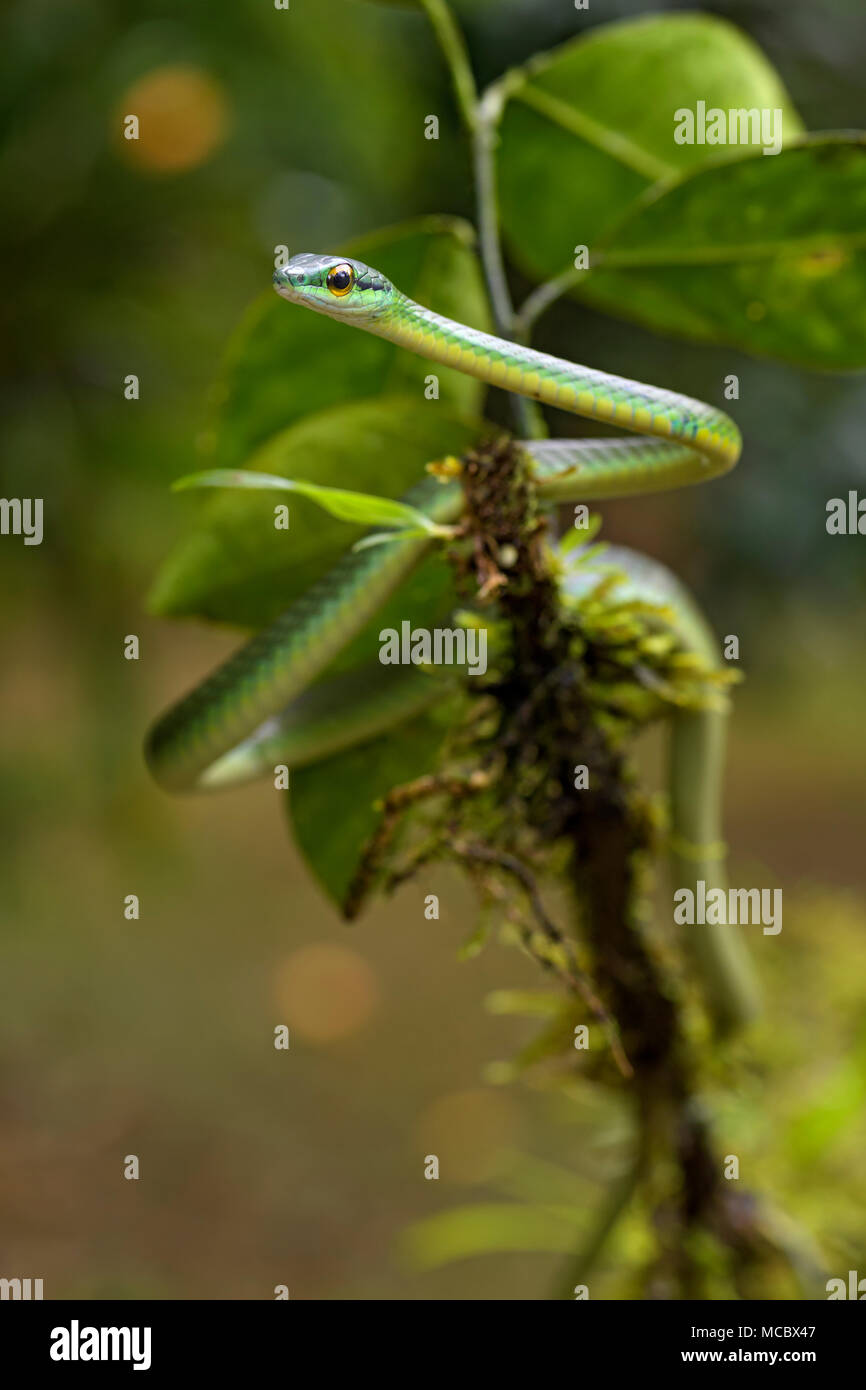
(214,735)
(253,710)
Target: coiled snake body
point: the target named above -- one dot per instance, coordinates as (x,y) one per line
(252,711)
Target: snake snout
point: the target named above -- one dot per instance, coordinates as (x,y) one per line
(286,279)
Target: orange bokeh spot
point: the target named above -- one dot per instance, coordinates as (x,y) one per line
(182,117)
(325,992)
(470,1132)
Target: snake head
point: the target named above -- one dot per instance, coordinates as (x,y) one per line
(334,285)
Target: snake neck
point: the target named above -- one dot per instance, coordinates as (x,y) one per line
(454,344)
(584,391)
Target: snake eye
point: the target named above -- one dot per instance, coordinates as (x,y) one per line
(341,279)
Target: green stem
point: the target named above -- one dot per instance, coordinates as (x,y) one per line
(618,1198)
(528,417)
(540,300)
(453,47)
(481,119)
(484,139)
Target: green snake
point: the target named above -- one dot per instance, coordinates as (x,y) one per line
(257,708)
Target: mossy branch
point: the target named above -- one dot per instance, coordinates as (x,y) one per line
(546,717)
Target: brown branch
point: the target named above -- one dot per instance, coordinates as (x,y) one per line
(573,976)
(393,806)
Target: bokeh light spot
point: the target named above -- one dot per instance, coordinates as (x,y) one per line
(325,992)
(470,1132)
(182,117)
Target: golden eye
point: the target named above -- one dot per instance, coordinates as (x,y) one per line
(341,279)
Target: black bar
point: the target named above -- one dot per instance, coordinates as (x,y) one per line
(413,1338)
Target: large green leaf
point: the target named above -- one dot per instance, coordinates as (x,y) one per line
(332,826)
(235,566)
(768,254)
(286,362)
(590,126)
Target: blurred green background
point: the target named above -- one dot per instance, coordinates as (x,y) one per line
(155,1037)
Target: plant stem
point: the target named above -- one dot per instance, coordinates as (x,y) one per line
(481,118)
(485,136)
(547,715)
(540,300)
(574,976)
(614,1205)
(453,47)
(483,145)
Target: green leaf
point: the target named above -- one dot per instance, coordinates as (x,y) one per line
(531,1003)
(492,1228)
(359,507)
(408,533)
(590,126)
(767,254)
(286,362)
(235,566)
(603,1157)
(578,537)
(332,829)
